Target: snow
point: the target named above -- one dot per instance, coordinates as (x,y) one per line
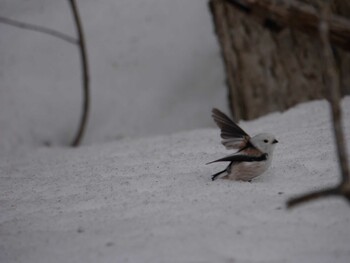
(139,189)
(152,200)
(155,68)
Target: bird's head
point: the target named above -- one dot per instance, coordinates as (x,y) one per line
(265,142)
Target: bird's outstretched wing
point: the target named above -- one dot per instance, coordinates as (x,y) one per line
(236,158)
(233,136)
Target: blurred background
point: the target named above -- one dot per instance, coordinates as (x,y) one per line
(159,66)
(155,68)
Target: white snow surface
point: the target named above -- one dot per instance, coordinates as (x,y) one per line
(152,200)
(155,68)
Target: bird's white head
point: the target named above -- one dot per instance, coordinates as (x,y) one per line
(265,142)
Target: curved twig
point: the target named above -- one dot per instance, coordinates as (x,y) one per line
(36,28)
(85,75)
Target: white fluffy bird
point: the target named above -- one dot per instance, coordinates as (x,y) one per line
(254,153)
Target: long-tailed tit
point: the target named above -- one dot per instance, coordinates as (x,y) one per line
(254,154)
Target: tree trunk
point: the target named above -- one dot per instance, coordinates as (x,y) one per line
(271,71)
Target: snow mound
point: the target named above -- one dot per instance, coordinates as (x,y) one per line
(151,200)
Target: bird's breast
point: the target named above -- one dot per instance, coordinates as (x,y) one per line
(246,171)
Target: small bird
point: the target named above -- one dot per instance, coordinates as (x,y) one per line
(254,154)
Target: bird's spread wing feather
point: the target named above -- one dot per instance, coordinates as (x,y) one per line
(233,137)
(235,158)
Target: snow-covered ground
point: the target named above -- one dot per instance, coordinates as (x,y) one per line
(155,68)
(152,200)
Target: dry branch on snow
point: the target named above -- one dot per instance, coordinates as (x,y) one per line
(343,189)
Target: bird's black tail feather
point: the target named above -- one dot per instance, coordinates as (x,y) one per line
(214,176)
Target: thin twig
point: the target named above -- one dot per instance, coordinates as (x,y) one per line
(85,76)
(343,189)
(36,28)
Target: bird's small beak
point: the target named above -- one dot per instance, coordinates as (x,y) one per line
(275,141)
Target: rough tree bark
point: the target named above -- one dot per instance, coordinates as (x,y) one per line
(272,70)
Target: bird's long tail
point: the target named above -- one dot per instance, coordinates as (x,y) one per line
(214,176)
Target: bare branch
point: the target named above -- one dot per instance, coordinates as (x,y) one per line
(334,95)
(334,99)
(36,28)
(85,76)
(312,196)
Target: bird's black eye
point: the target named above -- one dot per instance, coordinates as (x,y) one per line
(266,141)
